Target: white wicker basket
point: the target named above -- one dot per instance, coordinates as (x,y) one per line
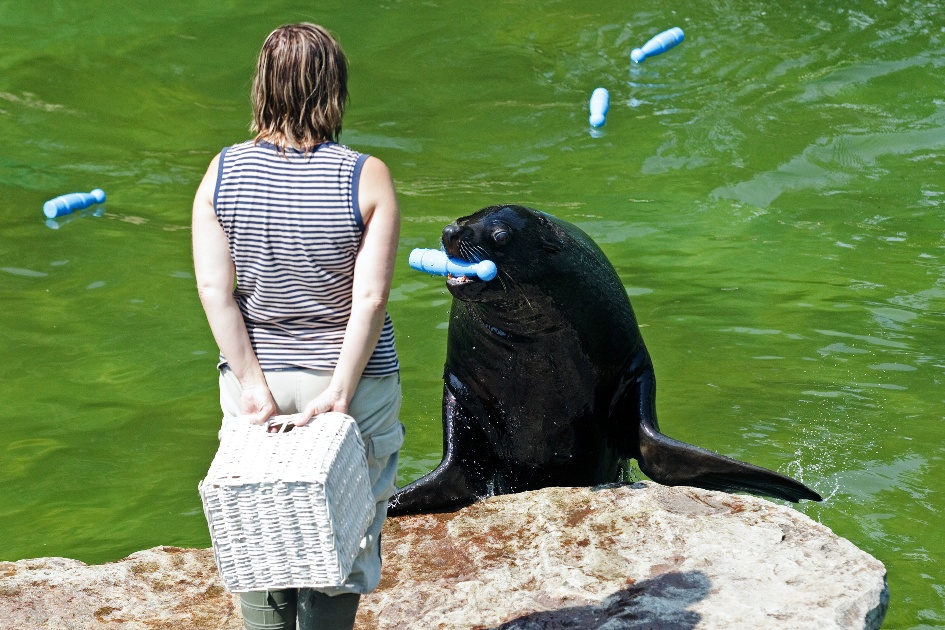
(288,510)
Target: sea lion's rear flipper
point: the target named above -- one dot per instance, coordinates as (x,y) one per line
(460,479)
(674,463)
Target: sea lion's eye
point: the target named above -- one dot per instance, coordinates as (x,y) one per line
(501,237)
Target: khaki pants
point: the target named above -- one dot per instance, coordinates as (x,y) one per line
(376,408)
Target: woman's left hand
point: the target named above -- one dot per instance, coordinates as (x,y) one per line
(257,405)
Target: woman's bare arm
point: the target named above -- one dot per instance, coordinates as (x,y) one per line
(216,274)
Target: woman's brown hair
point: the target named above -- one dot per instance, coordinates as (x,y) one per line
(301,87)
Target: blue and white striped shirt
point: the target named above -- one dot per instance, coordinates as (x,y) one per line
(294,227)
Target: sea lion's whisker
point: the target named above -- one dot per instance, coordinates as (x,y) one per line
(480,253)
(515,283)
(467,251)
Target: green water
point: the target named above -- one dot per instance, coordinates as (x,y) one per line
(770,191)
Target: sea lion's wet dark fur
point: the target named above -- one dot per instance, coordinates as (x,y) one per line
(547,379)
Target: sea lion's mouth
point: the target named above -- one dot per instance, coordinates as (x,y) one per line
(455,281)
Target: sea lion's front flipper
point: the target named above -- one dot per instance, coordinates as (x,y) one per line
(461,478)
(675,463)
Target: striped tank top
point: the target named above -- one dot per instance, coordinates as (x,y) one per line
(293,225)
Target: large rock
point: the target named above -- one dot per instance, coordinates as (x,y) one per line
(628,557)
(164,587)
(641,556)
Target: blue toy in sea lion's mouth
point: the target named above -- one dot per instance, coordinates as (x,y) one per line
(437,262)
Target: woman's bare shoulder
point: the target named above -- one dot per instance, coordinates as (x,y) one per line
(376,189)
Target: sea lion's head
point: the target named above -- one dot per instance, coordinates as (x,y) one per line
(521,242)
(552,278)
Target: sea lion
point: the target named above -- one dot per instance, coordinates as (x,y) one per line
(547,381)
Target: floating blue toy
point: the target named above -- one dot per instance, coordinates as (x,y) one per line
(600,103)
(658,44)
(64,204)
(436,262)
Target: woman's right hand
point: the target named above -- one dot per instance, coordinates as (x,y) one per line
(328,400)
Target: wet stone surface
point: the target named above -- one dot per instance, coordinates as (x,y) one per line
(625,557)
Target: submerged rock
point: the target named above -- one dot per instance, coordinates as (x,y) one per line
(626,557)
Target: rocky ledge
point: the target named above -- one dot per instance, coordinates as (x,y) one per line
(625,557)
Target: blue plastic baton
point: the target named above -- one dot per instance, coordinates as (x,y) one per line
(658,44)
(600,103)
(436,262)
(64,204)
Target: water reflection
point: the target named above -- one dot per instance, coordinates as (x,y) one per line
(58,222)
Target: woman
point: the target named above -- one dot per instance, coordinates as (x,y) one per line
(307,229)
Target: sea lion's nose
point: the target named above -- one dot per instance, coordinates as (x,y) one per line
(451,236)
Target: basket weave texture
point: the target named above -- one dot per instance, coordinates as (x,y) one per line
(288,510)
